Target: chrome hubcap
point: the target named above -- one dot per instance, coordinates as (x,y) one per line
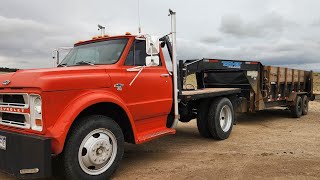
(225,118)
(97,151)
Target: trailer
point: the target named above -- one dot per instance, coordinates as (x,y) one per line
(262,87)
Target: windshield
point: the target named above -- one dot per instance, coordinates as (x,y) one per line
(105,52)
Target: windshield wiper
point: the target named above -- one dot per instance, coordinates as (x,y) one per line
(84,62)
(62,65)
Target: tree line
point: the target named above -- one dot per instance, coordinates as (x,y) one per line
(5,69)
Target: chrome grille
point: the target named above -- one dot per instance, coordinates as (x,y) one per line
(12,110)
(14,100)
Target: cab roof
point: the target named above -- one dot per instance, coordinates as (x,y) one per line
(103,38)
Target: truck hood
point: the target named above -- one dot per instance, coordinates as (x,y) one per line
(54,79)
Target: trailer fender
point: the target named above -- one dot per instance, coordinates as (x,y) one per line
(293,95)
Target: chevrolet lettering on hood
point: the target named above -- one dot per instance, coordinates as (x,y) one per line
(9,109)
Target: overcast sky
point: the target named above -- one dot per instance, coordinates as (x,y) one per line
(277,32)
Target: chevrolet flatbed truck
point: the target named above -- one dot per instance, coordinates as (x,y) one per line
(111,90)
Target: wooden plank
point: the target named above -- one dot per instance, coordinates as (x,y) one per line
(302,76)
(278,81)
(273,74)
(207,91)
(289,75)
(286,81)
(299,72)
(292,81)
(296,75)
(282,74)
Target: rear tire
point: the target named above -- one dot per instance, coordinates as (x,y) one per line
(94,148)
(305,105)
(202,119)
(221,118)
(296,110)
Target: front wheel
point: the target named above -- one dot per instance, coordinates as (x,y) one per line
(93,149)
(221,118)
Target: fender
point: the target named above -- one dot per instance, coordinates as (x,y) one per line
(60,129)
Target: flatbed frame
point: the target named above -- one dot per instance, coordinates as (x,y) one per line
(187,95)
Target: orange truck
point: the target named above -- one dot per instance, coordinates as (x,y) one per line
(107,91)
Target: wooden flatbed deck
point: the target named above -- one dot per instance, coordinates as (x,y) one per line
(207,92)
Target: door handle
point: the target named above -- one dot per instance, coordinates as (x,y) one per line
(164,75)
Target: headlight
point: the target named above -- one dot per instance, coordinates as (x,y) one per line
(36,112)
(37,105)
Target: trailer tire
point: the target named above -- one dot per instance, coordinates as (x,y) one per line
(221,118)
(94,148)
(202,119)
(305,105)
(296,109)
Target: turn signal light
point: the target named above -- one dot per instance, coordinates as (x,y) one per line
(95,37)
(38,122)
(106,35)
(128,33)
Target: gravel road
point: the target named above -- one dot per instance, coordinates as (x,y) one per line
(268,145)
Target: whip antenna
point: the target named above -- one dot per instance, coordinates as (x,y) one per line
(139,29)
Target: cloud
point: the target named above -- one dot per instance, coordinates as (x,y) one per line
(269,31)
(25,40)
(271,23)
(210,39)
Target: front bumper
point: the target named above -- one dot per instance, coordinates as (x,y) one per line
(26,156)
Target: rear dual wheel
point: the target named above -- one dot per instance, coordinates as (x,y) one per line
(296,109)
(305,105)
(301,106)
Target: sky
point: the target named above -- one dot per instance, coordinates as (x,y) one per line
(275,32)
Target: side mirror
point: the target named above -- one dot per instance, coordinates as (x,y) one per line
(152,61)
(152,45)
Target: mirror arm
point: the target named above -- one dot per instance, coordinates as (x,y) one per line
(131,69)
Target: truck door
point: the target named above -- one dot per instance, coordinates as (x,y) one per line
(150,94)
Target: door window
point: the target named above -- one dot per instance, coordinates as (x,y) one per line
(137,54)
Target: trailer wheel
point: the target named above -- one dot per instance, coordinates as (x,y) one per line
(202,119)
(305,105)
(296,110)
(221,118)
(94,148)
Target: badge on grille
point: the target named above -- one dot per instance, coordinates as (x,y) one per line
(6,82)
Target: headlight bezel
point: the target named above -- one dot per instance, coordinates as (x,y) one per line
(36,121)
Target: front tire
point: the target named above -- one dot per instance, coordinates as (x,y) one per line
(93,149)
(221,118)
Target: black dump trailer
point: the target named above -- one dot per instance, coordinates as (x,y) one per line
(260,87)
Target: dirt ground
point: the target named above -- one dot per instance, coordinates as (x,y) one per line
(266,145)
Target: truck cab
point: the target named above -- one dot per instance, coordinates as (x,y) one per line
(112,77)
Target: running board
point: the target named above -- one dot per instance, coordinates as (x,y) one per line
(145,137)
